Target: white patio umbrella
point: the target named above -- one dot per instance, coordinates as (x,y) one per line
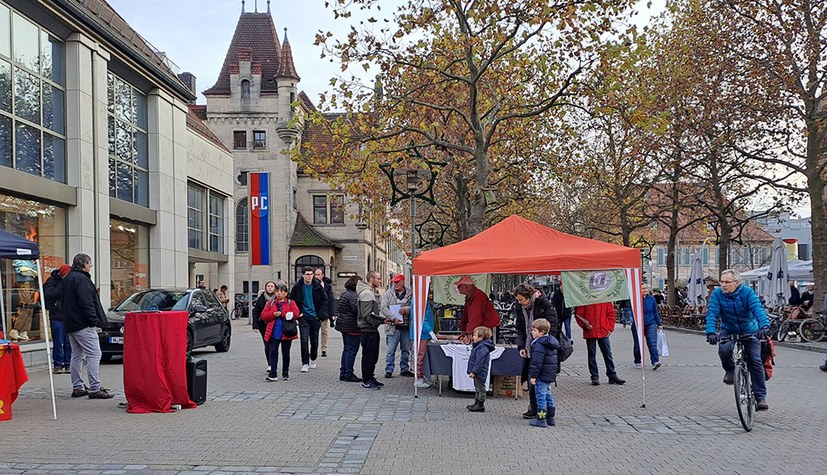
(777,291)
(695,286)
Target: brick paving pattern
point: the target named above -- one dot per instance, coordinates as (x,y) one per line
(316,424)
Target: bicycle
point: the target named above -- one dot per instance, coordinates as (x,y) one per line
(240,309)
(812,329)
(744,399)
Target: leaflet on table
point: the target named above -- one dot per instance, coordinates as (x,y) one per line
(395,312)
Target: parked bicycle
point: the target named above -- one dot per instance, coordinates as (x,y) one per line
(812,329)
(744,399)
(240,309)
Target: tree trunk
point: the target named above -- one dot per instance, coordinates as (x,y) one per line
(815,186)
(482,169)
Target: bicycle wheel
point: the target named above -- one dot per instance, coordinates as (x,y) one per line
(743,396)
(811,329)
(783,330)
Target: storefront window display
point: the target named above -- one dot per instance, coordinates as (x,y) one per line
(44,224)
(129,258)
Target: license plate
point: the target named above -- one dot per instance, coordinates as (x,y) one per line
(116,339)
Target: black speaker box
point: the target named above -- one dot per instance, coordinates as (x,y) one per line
(197,380)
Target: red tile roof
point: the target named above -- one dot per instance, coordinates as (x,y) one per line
(199,110)
(194,122)
(256,33)
(287,69)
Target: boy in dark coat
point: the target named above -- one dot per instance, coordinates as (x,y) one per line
(478,362)
(543,371)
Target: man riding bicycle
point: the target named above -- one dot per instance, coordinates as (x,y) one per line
(740,313)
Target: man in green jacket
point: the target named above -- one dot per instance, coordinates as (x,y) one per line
(369,319)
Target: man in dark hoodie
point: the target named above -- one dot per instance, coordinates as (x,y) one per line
(82,312)
(369,320)
(61,348)
(312,301)
(478,362)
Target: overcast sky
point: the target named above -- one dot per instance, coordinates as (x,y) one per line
(195,34)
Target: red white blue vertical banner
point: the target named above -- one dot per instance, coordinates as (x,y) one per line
(635,280)
(259,202)
(419,301)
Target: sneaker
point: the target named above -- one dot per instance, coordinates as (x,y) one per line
(595,382)
(13,335)
(324,354)
(376,382)
(305,368)
(823,367)
(656,366)
(101,394)
(66,370)
(370,385)
(420,383)
(617,381)
(406,374)
(80,392)
(285,377)
(531,413)
(312,364)
(761,405)
(638,365)
(388,375)
(352,379)
(57,370)
(272,378)
(728,376)
(24,336)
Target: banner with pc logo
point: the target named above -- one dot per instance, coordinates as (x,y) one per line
(259,201)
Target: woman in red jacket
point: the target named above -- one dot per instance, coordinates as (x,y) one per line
(280,314)
(598,322)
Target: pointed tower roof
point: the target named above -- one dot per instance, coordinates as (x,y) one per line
(287,69)
(255,33)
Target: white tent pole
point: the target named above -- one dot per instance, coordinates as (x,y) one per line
(44,325)
(3,311)
(633,280)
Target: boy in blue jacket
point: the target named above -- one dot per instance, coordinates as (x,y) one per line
(543,371)
(478,363)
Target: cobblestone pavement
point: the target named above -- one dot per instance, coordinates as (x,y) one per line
(316,424)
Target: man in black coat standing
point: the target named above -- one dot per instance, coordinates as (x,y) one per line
(311,299)
(53,293)
(82,312)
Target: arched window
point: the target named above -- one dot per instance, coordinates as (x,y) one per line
(241,231)
(245,90)
(312,261)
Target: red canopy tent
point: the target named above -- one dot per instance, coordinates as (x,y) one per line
(520,246)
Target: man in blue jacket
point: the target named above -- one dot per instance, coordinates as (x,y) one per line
(740,313)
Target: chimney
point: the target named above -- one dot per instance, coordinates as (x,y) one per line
(189,80)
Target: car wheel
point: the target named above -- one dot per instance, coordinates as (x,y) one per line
(224,345)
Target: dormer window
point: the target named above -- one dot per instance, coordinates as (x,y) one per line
(245,90)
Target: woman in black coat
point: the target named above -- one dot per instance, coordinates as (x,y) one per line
(531,305)
(348,311)
(266,296)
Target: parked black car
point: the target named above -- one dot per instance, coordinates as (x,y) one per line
(209,323)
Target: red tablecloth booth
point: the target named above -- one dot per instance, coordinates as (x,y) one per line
(12,377)
(155,361)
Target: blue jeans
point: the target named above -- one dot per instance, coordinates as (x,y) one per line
(545,400)
(61,348)
(401,338)
(606,349)
(626,315)
(349,352)
(752,350)
(567,323)
(650,333)
(85,344)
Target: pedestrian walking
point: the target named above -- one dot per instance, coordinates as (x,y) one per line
(651,324)
(53,293)
(280,316)
(348,325)
(268,295)
(598,321)
(311,299)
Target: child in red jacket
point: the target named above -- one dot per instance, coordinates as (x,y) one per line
(598,322)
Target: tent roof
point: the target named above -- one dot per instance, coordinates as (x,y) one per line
(13,246)
(519,246)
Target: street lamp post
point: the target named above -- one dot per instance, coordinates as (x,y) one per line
(412,179)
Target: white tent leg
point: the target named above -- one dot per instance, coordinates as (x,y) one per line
(634,281)
(44,324)
(3,311)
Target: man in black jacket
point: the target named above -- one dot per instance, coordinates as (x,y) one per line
(82,312)
(61,348)
(312,302)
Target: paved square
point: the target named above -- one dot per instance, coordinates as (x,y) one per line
(316,424)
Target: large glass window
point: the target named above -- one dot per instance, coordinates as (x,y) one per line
(328,209)
(216,223)
(312,261)
(239,139)
(32,98)
(195,217)
(44,224)
(128,153)
(259,139)
(241,230)
(129,258)
(320,209)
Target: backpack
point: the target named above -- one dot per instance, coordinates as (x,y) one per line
(565,349)
(768,356)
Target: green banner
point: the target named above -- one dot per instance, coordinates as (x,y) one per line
(446,293)
(594,286)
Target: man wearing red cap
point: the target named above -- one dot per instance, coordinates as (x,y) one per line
(61,348)
(478,310)
(397,333)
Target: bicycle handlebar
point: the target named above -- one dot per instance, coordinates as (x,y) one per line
(743,337)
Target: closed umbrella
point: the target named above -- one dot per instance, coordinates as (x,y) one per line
(695,286)
(777,290)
